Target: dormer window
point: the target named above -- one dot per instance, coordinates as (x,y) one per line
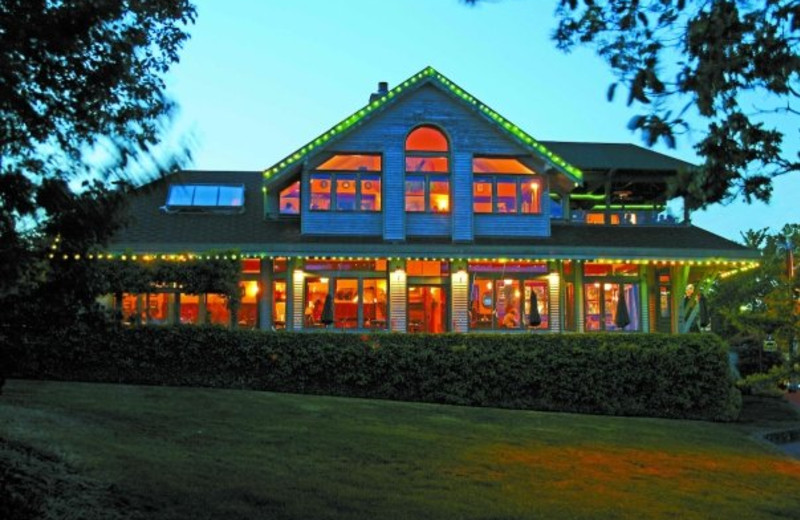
(505,185)
(347,182)
(205,197)
(290,199)
(427,171)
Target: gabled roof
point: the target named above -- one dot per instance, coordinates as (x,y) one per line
(616,156)
(428,75)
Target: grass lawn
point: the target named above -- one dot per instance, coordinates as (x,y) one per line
(162,453)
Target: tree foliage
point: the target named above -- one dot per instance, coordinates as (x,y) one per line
(81,99)
(733,64)
(766,300)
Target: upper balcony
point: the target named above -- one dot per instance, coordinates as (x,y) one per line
(624,217)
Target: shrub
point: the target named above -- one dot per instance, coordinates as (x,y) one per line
(681,376)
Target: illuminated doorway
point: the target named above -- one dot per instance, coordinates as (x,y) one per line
(427,308)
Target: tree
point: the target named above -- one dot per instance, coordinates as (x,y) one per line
(765,301)
(81,99)
(734,65)
(82,106)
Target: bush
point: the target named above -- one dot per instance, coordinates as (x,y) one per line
(764,384)
(681,376)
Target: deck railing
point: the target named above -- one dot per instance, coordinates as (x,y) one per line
(624,218)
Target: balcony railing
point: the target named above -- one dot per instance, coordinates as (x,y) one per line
(624,218)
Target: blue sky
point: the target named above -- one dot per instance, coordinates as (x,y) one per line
(260,78)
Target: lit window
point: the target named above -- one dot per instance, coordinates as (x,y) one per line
(427,166)
(370,192)
(426,139)
(290,199)
(505,185)
(415,193)
(440,195)
(204,196)
(506,196)
(320,191)
(504,301)
(482,195)
(345,303)
(498,165)
(345,192)
(531,196)
(347,181)
(352,163)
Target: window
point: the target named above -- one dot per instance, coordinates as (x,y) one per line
(347,182)
(604,301)
(505,186)
(607,293)
(356,302)
(427,171)
(503,295)
(290,199)
(482,200)
(247,314)
(279,304)
(205,196)
(505,303)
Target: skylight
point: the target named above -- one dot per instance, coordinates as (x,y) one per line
(205,196)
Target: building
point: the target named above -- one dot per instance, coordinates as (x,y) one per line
(426,211)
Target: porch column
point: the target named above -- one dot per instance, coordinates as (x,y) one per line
(202,309)
(459,296)
(644,297)
(679,278)
(294,296)
(265,296)
(580,318)
(174,308)
(554,279)
(397,295)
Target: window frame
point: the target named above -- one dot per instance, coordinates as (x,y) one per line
(428,176)
(356,176)
(518,180)
(204,207)
(521,280)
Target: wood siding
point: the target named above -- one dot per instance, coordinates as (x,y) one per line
(461,197)
(394,198)
(555,303)
(298,290)
(459,298)
(428,224)
(468,133)
(397,300)
(342,223)
(644,298)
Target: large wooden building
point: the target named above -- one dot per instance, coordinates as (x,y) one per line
(426,211)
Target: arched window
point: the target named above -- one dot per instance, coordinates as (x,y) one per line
(427,171)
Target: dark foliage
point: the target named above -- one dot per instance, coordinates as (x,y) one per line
(82,105)
(734,64)
(684,376)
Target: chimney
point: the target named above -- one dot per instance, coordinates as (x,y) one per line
(383,89)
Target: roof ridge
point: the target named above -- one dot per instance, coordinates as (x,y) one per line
(426,75)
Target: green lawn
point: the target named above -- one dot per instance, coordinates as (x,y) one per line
(154,452)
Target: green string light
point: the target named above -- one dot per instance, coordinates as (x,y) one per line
(359,115)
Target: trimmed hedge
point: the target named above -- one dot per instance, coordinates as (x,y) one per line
(679,376)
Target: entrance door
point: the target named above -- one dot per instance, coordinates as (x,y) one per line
(427,308)
(664,307)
